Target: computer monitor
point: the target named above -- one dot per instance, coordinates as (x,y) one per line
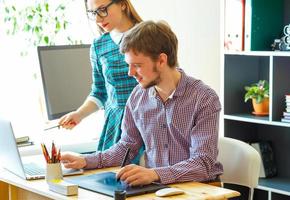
(66,77)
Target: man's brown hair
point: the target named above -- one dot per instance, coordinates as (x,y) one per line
(152,39)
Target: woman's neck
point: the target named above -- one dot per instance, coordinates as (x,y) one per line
(125,26)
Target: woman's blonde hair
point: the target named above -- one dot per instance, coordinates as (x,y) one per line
(130,12)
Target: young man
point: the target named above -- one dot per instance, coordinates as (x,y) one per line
(175,116)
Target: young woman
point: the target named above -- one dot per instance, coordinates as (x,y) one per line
(111,84)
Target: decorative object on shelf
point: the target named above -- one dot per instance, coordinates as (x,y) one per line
(268,167)
(259,93)
(286,114)
(283,44)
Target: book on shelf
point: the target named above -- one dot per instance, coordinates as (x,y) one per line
(285,120)
(263,23)
(286,114)
(24,144)
(268,166)
(234,25)
(22,139)
(286,117)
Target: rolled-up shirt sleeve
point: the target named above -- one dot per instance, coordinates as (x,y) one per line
(130,138)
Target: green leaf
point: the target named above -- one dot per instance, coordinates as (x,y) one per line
(27,27)
(7,10)
(65,24)
(30,17)
(46,39)
(13,7)
(258,91)
(14,26)
(57,26)
(38,8)
(46,7)
(62,7)
(36,29)
(7,19)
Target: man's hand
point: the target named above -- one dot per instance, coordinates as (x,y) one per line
(73,160)
(137,175)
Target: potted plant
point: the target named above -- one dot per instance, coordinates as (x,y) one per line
(41,23)
(259,93)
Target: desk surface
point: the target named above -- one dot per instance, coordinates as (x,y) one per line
(193,190)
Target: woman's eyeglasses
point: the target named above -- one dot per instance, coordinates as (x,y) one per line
(101,12)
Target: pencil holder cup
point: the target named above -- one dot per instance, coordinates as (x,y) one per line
(53,171)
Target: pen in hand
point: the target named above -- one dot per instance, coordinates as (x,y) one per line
(60,125)
(124,160)
(52,127)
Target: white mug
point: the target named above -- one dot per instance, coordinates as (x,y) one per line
(53,171)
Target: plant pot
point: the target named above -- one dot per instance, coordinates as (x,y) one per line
(261,108)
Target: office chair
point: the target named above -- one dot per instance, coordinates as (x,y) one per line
(142,160)
(241,163)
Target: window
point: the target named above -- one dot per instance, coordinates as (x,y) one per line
(20,83)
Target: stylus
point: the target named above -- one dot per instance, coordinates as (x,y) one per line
(124,160)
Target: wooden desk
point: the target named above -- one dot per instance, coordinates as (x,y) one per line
(14,188)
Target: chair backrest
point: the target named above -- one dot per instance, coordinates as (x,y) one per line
(142,161)
(241,162)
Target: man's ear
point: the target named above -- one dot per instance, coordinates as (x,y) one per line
(163,59)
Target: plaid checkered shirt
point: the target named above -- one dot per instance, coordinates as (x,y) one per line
(180,135)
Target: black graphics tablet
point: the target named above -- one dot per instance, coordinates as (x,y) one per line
(106,183)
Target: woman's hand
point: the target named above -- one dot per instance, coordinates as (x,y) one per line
(70,120)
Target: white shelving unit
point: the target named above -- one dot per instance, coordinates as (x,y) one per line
(242,69)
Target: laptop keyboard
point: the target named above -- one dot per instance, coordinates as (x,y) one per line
(33,169)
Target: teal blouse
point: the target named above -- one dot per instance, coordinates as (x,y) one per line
(111,86)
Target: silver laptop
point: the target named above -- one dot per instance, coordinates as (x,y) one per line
(10,157)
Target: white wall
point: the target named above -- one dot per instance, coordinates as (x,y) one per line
(197,25)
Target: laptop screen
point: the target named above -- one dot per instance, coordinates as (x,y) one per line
(9,155)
